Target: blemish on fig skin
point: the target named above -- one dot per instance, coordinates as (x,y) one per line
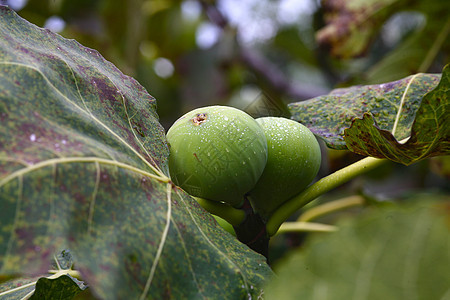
(195,154)
(199,119)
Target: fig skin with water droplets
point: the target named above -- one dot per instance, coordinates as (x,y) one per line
(217,153)
(293,162)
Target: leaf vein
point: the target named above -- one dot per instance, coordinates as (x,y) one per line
(400,106)
(161,244)
(189,263)
(153,168)
(49,162)
(215,247)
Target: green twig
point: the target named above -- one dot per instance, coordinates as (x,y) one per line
(232,215)
(330,207)
(305,227)
(320,187)
(431,55)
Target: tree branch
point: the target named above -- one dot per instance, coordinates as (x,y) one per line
(275,77)
(262,67)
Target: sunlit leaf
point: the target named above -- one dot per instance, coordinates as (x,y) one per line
(63,287)
(83,166)
(392,104)
(430,134)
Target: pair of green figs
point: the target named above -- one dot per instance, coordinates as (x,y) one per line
(222,154)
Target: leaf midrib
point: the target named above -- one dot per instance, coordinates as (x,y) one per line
(66,160)
(402,101)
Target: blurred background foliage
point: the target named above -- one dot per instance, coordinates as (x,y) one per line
(259,55)
(192,53)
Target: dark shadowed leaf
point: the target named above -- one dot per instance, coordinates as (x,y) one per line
(59,285)
(83,166)
(393,105)
(430,134)
(390,253)
(62,288)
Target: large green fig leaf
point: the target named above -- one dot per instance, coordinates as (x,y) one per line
(430,133)
(393,105)
(83,166)
(390,253)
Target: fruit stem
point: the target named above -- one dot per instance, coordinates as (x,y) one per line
(252,231)
(232,215)
(320,187)
(330,207)
(305,227)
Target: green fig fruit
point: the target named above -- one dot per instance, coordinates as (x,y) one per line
(225,225)
(217,153)
(293,162)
